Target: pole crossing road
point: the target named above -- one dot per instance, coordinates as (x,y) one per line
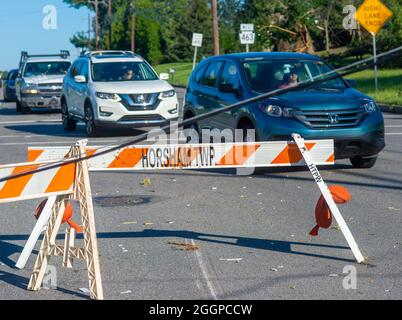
(250,232)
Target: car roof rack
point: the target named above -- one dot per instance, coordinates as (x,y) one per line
(108,53)
(24,55)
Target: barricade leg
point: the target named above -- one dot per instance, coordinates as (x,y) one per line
(328,198)
(84,196)
(36,232)
(47,243)
(68,245)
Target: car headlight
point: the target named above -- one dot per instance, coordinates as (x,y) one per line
(278,111)
(370,107)
(29,89)
(108,96)
(167,94)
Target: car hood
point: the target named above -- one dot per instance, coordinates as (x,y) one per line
(44,79)
(320,100)
(130,87)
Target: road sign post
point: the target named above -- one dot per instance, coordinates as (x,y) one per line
(373,15)
(247,35)
(197,42)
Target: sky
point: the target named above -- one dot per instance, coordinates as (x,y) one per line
(21,29)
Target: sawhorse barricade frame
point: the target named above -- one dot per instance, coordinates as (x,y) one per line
(51,217)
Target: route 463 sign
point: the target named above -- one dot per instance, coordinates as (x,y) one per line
(247,37)
(372,15)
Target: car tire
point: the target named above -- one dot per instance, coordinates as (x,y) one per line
(246,136)
(194,136)
(68,123)
(363,163)
(90,127)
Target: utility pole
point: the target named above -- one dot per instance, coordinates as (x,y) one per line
(214,8)
(133,25)
(109,14)
(89,31)
(96,4)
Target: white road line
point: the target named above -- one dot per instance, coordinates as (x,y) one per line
(394,126)
(204,272)
(54,142)
(30,121)
(394,134)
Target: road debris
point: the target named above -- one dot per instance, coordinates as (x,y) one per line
(170,222)
(394,209)
(274,269)
(125,292)
(146,182)
(184,246)
(293,286)
(237,260)
(148,223)
(333,275)
(130,222)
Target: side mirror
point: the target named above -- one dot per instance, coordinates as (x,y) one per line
(351,82)
(80,79)
(164,76)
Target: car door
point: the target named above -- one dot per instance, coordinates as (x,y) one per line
(72,87)
(81,89)
(230,92)
(208,92)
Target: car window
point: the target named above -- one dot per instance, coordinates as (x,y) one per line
(199,74)
(122,71)
(282,74)
(211,75)
(12,75)
(46,68)
(230,75)
(75,69)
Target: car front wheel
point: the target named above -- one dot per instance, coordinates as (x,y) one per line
(363,162)
(90,126)
(68,123)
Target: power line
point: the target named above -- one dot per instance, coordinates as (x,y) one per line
(333,74)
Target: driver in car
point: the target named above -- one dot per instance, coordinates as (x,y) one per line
(289,80)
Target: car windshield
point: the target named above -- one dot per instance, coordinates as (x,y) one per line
(122,71)
(269,75)
(46,68)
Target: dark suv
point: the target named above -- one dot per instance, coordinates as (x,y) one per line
(326,110)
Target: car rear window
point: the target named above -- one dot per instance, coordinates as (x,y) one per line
(199,74)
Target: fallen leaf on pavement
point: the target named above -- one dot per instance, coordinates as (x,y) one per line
(146,182)
(185,246)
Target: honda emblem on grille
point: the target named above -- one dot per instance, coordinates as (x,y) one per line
(333,118)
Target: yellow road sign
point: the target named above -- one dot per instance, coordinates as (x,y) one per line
(372,15)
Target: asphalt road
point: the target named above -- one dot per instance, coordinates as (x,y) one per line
(262,222)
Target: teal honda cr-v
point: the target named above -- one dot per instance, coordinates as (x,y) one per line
(326,110)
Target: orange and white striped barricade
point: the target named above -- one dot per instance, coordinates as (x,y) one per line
(198,156)
(212,156)
(68,181)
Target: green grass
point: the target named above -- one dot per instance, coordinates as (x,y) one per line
(180,77)
(390,85)
(390,81)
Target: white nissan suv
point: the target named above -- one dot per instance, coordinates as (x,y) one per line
(116,89)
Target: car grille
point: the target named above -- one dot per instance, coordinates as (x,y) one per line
(140,102)
(331,119)
(49,90)
(145,117)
